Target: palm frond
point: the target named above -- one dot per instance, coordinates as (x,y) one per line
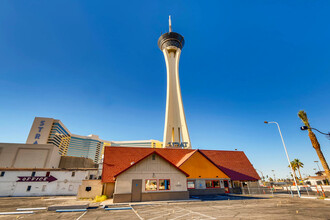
(303,116)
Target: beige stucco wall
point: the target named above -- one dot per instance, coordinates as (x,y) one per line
(151,169)
(96,190)
(108,189)
(29,155)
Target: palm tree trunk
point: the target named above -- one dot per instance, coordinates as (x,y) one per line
(317,148)
(299,172)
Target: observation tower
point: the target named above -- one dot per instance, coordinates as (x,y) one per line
(176,130)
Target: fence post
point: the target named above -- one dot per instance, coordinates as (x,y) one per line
(291,192)
(307,190)
(242,188)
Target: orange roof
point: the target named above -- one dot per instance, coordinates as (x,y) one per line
(119,159)
(233,163)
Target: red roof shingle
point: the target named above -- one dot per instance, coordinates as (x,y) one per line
(234,163)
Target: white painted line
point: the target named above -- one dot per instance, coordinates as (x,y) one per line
(207,216)
(305,197)
(180,216)
(162,216)
(15,213)
(31,209)
(326,199)
(136,213)
(81,215)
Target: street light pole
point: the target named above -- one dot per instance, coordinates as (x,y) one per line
(286,152)
(317,163)
(274,175)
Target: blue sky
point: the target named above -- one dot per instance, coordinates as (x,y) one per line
(96,67)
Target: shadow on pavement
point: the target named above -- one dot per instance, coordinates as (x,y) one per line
(223,197)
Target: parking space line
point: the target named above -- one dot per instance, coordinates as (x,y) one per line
(207,216)
(81,215)
(136,213)
(180,216)
(161,216)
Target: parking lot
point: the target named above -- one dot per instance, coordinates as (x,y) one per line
(220,207)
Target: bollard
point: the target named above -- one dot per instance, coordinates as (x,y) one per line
(322,191)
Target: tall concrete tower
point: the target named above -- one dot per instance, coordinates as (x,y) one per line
(176,130)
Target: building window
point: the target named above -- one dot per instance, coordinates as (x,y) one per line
(208,183)
(73,174)
(28,189)
(48,174)
(33,173)
(164,185)
(153,157)
(236,184)
(151,185)
(191,184)
(216,183)
(2,173)
(43,189)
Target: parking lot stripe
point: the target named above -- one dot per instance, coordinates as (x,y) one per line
(30,209)
(81,215)
(136,213)
(16,213)
(207,216)
(180,216)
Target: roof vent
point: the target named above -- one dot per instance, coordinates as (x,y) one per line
(132,162)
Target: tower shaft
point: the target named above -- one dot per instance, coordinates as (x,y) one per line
(175,130)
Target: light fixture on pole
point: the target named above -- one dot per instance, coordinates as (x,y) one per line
(274,175)
(317,163)
(286,152)
(304,128)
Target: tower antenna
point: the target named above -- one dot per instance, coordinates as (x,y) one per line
(170,23)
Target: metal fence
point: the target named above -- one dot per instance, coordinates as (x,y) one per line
(304,190)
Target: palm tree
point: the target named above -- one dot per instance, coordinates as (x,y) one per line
(294,167)
(297,165)
(303,116)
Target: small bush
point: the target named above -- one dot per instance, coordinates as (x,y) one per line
(100,198)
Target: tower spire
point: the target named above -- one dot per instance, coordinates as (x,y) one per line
(170,23)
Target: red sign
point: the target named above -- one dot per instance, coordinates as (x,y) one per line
(36,179)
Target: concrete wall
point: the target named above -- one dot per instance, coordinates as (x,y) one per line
(153,196)
(76,162)
(66,184)
(96,189)
(151,169)
(29,155)
(210,191)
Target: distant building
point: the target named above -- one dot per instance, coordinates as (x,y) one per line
(143,143)
(53,131)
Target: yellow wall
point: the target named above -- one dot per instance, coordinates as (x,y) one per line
(197,165)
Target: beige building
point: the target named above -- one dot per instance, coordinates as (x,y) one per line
(152,178)
(29,155)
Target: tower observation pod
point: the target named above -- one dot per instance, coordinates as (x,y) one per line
(175,130)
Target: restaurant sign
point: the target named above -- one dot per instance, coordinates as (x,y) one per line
(36,179)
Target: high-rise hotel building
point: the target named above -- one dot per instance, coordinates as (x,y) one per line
(53,131)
